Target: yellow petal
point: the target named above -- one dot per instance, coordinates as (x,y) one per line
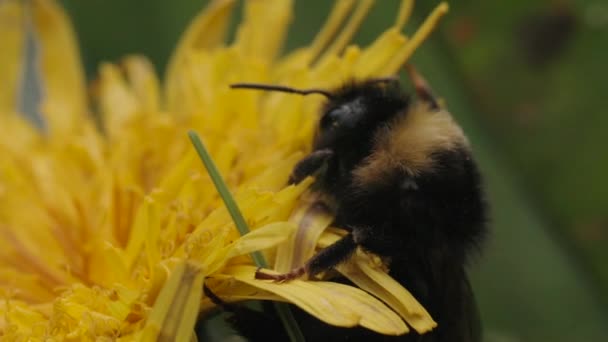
(279,207)
(206,31)
(118,103)
(334,70)
(82,310)
(421,34)
(65,101)
(374,58)
(144,82)
(174,179)
(144,224)
(349,29)
(174,313)
(16,134)
(264,237)
(374,314)
(397,297)
(12,34)
(334,303)
(272,178)
(330,28)
(284,113)
(109,265)
(19,321)
(312,219)
(229,290)
(263,31)
(405,11)
(152,243)
(30,286)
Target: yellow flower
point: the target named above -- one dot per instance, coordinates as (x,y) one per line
(108,223)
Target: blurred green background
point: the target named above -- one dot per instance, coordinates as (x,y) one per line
(527,81)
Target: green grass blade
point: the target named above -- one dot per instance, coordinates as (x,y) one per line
(286,316)
(221,187)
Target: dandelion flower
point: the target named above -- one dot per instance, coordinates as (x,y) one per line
(109,225)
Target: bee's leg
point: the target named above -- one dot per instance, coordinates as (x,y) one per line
(327,258)
(423,90)
(309,165)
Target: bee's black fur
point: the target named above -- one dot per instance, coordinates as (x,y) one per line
(425,217)
(428,233)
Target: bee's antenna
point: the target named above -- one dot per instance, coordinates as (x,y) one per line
(421,86)
(283,89)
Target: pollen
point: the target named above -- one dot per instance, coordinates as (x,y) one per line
(109,225)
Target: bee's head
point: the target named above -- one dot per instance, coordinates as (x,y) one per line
(355,111)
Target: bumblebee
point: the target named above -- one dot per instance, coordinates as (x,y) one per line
(407,188)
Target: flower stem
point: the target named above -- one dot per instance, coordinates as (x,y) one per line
(286,316)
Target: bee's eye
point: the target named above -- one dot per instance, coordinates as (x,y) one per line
(333,117)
